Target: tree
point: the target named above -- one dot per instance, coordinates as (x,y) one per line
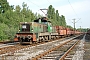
(63,22)
(4,6)
(68,26)
(55,18)
(3,31)
(49,12)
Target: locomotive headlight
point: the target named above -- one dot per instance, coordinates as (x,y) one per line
(32,30)
(25,22)
(19,30)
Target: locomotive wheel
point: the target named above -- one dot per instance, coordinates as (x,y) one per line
(20,41)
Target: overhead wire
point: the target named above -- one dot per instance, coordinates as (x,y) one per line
(34,3)
(48,1)
(73,9)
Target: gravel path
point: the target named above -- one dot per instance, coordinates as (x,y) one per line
(80,50)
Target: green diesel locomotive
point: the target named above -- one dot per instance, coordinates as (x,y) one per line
(37,31)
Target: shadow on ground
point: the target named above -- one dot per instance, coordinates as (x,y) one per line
(79,37)
(87,38)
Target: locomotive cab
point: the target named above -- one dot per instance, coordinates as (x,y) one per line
(25,34)
(25,28)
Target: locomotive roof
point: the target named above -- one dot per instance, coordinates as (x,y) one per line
(25,22)
(43,19)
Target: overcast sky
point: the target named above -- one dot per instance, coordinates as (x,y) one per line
(76,9)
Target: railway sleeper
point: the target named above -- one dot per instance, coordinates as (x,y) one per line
(46,57)
(67,58)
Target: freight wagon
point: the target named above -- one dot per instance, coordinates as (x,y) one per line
(88,32)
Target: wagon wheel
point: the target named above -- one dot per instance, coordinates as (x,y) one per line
(30,41)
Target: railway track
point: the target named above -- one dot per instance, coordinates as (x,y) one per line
(13,47)
(58,52)
(64,51)
(19,52)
